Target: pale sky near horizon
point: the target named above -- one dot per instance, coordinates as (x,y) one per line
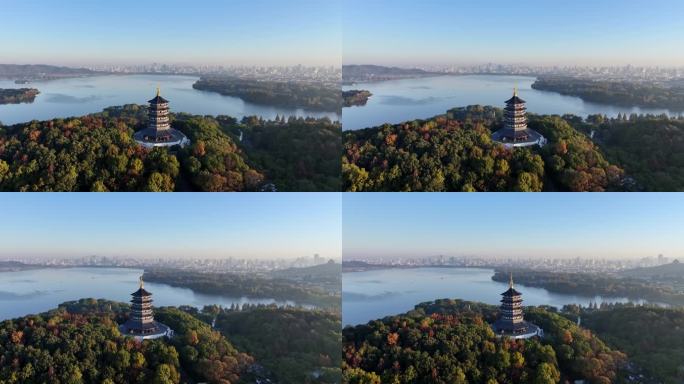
(516,225)
(330,32)
(235,32)
(174,225)
(543,32)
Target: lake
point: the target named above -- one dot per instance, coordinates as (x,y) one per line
(39,290)
(375,294)
(84,95)
(396,101)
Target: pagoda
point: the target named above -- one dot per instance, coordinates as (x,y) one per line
(511,321)
(141,324)
(159,132)
(515,132)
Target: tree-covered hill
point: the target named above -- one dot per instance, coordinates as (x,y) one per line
(312,96)
(626,93)
(80,343)
(455,153)
(305,292)
(295,154)
(649,148)
(652,337)
(296,345)
(97,153)
(671,272)
(450,341)
(658,290)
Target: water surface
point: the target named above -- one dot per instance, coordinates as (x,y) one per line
(39,290)
(375,294)
(84,95)
(397,101)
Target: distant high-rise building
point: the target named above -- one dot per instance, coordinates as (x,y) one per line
(141,323)
(511,322)
(515,131)
(159,132)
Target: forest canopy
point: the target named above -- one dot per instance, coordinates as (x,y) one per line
(97,153)
(295,345)
(455,153)
(80,343)
(450,341)
(626,93)
(313,96)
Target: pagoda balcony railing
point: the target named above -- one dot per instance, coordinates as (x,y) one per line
(512,318)
(512,306)
(142,299)
(142,318)
(515,110)
(515,119)
(517,126)
(511,115)
(145,312)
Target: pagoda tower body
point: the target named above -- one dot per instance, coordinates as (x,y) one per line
(141,323)
(515,117)
(511,320)
(158,113)
(515,131)
(159,132)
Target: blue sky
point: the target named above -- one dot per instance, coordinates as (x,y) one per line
(241,225)
(608,225)
(251,32)
(409,32)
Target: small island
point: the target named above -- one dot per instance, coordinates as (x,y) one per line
(311,96)
(17,95)
(355,97)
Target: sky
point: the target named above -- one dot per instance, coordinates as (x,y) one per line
(543,32)
(234,32)
(174,225)
(515,225)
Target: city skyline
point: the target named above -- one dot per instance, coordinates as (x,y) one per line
(241,32)
(192,225)
(441,32)
(609,226)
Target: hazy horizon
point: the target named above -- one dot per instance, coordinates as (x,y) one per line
(512,225)
(164,225)
(443,32)
(127,32)
(467,64)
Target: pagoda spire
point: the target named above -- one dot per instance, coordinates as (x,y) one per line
(142,283)
(510,280)
(515,90)
(158,91)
